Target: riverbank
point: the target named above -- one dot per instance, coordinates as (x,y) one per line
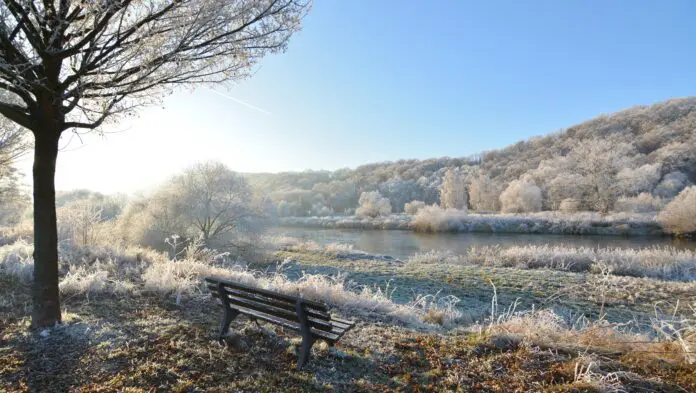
(552,223)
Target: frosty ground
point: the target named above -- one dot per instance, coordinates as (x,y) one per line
(137,321)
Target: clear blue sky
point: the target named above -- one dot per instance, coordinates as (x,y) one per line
(382,80)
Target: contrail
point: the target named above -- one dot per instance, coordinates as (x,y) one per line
(240,102)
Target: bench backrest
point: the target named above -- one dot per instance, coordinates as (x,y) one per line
(278,305)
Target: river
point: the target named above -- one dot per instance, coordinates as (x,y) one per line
(402,244)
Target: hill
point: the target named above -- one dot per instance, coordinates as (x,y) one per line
(648,150)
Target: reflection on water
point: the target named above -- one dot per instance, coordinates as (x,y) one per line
(402,244)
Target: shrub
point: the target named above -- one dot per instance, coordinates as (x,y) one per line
(521,196)
(373,204)
(643,203)
(569,205)
(679,216)
(435,219)
(672,184)
(413,207)
(80,222)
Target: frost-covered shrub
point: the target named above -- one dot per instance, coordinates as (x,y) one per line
(413,207)
(569,205)
(566,187)
(373,204)
(671,184)
(633,181)
(16,260)
(643,203)
(80,222)
(679,216)
(521,196)
(435,219)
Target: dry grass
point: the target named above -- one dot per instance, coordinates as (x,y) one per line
(137,320)
(664,263)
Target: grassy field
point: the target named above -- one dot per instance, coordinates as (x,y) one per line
(618,298)
(137,322)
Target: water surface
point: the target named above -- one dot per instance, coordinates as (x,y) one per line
(402,244)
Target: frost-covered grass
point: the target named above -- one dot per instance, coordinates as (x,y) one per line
(103,271)
(16,260)
(664,263)
(395,345)
(435,219)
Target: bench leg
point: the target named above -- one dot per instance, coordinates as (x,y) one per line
(305,351)
(230,314)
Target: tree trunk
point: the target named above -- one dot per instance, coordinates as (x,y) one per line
(46,310)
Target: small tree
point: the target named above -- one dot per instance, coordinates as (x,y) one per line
(679,216)
(373,204)
(521,196)
(76,64)
(484,194)
(453,191)
(208,202)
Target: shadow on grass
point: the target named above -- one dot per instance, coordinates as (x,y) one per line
(149,343)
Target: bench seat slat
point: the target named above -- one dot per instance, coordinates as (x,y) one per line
(340,325)
(343,321)
(275,295)
(236,302)
(287,323)
(280,303)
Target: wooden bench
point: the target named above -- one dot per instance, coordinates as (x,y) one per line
(310,318)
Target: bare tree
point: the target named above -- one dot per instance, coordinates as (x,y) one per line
(13,145)
(76,64)
(453,191)
(211,200)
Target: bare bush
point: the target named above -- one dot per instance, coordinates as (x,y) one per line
(413,207)
(80,222)
(643,203)
(373,204)
(521,196)
(569,205)
(435,219)
(679,216)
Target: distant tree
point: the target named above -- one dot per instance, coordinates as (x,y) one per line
(453,191)
(521,196)
(373,204)
(13,145)
(484,194)
(634,181)
(679,216)
(671,184)
(566,186)
(210,201)
(76,64)
(599,162)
